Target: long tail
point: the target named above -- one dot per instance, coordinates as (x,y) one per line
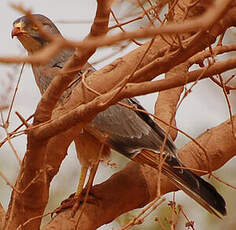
(194,186)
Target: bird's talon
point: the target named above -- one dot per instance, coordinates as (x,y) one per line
(65,204)
(74,201)
(75,207)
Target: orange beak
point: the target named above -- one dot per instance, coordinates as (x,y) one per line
(17,30)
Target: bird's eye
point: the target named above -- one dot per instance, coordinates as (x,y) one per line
(35,27)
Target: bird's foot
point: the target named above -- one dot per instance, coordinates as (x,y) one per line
(65,204)
(74,202)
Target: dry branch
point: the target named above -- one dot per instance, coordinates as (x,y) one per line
(86,112)
(32,180)
(42,159)
(197,24)
(135,185)
(2,216)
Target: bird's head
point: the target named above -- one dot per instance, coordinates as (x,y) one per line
(28,33)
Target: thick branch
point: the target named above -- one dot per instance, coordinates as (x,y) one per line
(33,177)
(2,216)
(85,113)
(171,28)
(111,75)
(201,56)
(166,104)
(73,65)
(36,174)
(135,185)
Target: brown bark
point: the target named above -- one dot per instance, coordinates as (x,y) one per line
(43,159)
(136,185)
(35,175)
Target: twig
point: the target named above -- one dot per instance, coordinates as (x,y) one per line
(21,227)
(22,119)
(118,25)
(5,126)
(8,182)
(217,178)
(139,219)
(13,133)
(15,91)
(189,223)
(122,84)
(228,104)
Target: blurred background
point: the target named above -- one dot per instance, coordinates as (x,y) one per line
(204,108)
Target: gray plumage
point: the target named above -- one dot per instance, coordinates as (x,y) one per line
(129,131)
(132,133)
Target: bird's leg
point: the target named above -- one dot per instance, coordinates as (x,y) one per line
(89,184)
(87,188)
(92,174)
(78,194)
(74,200)
(82,178)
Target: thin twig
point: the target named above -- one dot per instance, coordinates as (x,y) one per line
(14,95)
(189,223)
(8,182)
(228,104)
(139,219)
(121,28)
(15,133)
(5,126)
(22,119)
(21,227)
(217,178)
(122,84)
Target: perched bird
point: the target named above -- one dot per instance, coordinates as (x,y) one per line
(131,133)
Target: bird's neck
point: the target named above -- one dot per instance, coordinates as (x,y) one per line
(30,44)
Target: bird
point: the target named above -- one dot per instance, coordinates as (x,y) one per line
(132,133)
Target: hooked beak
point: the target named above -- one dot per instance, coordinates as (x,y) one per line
(17,30)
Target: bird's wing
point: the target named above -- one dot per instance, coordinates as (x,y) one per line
(137,136)
(129,131)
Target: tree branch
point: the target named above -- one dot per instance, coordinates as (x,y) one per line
(196,24)
(32,180)
(42,159)
(2,216)
(136,185)
(83,114)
